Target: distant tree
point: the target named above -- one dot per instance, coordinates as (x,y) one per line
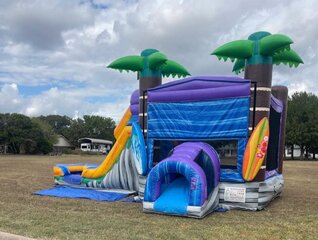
(19,128)
(302,122)
(57,122)
(313,148)
(99,127)
(75,131)
(312,139)
(90,126)
(4,134)
(45,137)
(20,134)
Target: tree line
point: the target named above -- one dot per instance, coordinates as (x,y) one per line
(33,135)
(302,123)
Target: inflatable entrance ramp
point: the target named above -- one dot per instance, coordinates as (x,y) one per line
(185,183)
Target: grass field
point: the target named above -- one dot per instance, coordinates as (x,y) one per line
(292,216)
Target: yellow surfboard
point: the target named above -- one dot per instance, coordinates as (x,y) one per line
(255,151)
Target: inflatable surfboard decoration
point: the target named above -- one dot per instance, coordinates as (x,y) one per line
(255,151)
(139,149)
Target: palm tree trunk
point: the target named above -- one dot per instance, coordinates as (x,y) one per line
(144,84)
(262,75)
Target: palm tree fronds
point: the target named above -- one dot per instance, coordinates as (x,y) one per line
(156,60)
(239,66)
(175,69)
(234,49)
(132,63)
(289,58)
(273,43)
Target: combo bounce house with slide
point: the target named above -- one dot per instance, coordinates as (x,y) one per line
(200,143)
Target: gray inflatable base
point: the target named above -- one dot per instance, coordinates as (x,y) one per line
(257,194)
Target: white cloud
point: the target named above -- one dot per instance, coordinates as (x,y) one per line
(67,44)
(73,103)
(63,102)
(10,98)
(41,25)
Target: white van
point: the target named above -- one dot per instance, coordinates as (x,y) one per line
(98,148)
(86,147)
(95,145)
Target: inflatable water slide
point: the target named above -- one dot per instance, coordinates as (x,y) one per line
(118,171)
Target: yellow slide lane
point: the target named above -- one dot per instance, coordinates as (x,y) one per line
(58,172)
(122,124)
(112,156)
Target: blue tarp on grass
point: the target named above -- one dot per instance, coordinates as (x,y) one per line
(69,192)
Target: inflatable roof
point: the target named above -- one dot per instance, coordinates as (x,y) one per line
(200,88)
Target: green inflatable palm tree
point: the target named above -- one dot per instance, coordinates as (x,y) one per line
(260,48)
(150,63)
(150,66)
(256,56)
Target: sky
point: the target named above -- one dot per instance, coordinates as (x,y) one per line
(53,54)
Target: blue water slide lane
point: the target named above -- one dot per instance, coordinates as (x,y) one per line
(174,197)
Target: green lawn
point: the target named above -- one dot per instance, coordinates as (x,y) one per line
(292,216)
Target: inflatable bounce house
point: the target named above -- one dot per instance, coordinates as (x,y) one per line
(190,146)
